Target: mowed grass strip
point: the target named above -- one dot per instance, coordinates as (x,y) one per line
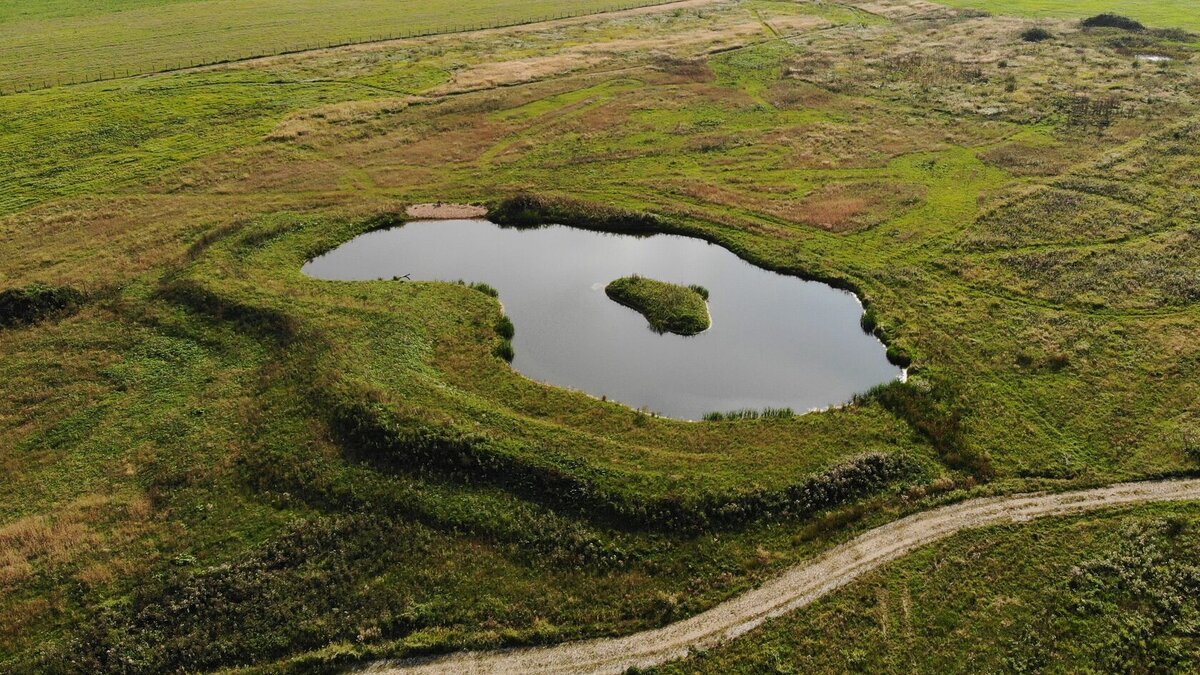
(670,308)
(73,41)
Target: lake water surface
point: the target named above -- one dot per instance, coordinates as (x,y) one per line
(775,341)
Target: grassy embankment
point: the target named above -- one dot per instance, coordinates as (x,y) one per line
(261,446)
(670,308)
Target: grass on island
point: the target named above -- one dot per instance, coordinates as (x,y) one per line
(670,308)
(204,444)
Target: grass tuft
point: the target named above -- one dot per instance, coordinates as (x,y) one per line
(1037,34)
(750,414)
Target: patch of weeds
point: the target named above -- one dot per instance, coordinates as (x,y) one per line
(486,289)
(504,350)
(1037,34)
(1108,20)
(505,327)
(750,414)
(30,304)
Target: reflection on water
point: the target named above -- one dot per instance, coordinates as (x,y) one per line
(775,341)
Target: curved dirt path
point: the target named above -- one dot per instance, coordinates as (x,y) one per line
(796,588)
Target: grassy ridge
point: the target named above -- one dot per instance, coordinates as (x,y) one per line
(670,308)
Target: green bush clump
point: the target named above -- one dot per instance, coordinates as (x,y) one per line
(1109,20)
(504,350)
(869,321)
(505,328)
(36,302)
(899,356)
(670,308)
(243,611)
(1037,34)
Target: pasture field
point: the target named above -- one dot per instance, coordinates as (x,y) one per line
(211,444)
(68,41)
(1153,13)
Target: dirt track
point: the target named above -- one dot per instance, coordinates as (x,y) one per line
(796,588)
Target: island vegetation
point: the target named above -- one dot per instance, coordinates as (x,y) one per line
(670,308)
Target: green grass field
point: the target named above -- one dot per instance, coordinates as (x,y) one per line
(63,41)
(210,444)
(1152,13)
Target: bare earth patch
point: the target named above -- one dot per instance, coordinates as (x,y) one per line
(445,211)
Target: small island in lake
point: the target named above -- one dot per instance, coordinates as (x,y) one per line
(670,308)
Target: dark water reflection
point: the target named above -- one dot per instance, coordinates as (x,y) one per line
(775,341)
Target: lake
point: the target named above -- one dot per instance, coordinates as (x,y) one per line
(775,341)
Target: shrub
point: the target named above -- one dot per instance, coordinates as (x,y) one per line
(1037,34)
(505,328)
(869,321)
(36,302)
(1108,20)
(899,356)
(700,290)
(1191,443)
(535,210)
(504,350)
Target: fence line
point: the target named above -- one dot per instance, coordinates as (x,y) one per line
(449,29)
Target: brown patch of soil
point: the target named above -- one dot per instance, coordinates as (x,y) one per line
(441,211)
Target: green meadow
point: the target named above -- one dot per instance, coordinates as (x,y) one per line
(1153,13)
(214,462)
(61,41)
